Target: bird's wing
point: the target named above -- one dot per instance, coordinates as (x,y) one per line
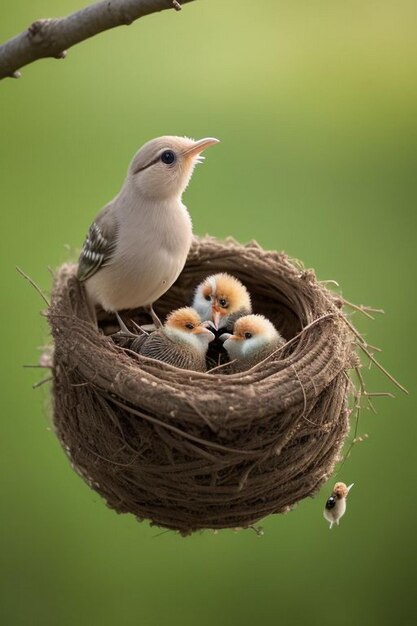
(158,346)
(138,343)
(99,244)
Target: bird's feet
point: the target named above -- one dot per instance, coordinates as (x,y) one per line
(124,331)
(155,318)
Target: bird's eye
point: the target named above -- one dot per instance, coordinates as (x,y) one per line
(207,298)
(248,335)
(223,303)
(189,325)
(168,157)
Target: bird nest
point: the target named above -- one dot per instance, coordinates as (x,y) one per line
(190,450)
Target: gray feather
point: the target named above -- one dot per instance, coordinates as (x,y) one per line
(158,346)
(99,244)
(137,343)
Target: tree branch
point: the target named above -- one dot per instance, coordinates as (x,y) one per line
(53,37)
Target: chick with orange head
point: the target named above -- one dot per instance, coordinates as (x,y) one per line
(182,341)
(222,299)
(254,338)
(335,506)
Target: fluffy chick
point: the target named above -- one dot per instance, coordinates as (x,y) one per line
(254,338)
(222,299)
(182,341)
(335,506)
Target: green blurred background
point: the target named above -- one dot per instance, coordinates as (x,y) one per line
(315,104)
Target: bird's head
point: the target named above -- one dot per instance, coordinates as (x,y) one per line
(340,490)
(162,168)
(251,334)
(185,326)
(220,296)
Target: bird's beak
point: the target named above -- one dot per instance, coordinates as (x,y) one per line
(225,336)
(216,318)
(202,330)
(200,145)
(350,487)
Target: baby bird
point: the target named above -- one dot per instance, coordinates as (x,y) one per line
(335,506)
(254,338)
(222,299)
(182,341)
(137,245)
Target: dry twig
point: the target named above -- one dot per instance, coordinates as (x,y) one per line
(36,287)
(54,36)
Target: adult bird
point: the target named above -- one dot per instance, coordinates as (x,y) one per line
(138,243)
(254,338)
(182,341)
(222,299)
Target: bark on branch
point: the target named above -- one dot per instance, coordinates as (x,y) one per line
(53,37)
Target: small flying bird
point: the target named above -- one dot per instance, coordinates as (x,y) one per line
(222,299)
(182,341)
(254,338)
(335,506)
(137,245)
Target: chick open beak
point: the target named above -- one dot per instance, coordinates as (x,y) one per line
(200,145)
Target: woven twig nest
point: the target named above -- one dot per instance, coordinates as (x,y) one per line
(191,450)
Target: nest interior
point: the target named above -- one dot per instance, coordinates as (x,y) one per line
(189,450)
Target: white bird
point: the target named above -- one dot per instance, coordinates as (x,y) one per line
(138,244)
(335,506)
(254,338)
(222,299)
(182,341)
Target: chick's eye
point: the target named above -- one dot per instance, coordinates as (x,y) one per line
(207,298)
(168,157)
(248,335)
(223,303)
(189,325)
